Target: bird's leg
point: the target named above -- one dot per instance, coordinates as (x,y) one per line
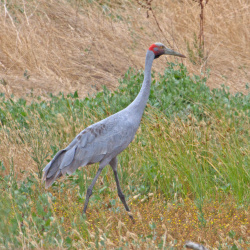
(113,164)
(90,188)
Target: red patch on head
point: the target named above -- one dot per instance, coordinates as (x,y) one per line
(152,47)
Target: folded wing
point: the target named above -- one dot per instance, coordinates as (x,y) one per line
(99,142)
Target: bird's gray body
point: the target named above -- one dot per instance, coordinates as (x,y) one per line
(100,142)
(104,140)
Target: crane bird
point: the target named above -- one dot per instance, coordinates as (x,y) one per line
(103,141)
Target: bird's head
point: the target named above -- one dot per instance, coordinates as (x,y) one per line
(160,49)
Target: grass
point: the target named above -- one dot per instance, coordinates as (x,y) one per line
(186,175)
(82,45)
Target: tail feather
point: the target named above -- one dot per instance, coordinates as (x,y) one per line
(75,164)
(50,181)
(52,170)
(62,163)
(55,164)
(68,157)
(45,170)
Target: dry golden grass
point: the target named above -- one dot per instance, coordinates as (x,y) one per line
(77,45)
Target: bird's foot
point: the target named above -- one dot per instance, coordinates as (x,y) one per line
(131,217)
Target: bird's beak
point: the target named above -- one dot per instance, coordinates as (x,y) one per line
(168,51)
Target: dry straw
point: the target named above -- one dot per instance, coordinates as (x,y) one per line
(53,46)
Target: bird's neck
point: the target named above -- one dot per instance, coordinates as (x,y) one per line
(138,105)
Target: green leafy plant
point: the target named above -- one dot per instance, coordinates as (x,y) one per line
(193,143)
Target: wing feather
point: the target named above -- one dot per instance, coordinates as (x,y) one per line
(68,157)
(97,143)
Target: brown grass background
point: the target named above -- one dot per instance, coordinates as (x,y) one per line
(82,45)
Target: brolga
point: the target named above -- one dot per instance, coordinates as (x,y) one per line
(103,141)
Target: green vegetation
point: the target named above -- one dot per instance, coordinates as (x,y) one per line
(192,145)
